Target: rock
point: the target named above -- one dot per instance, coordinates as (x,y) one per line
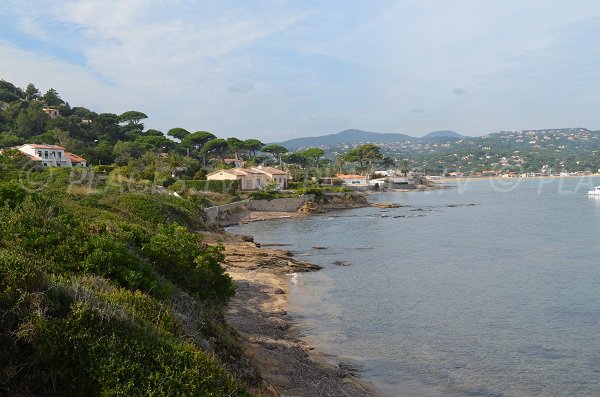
(250,257)
(386,205)
(278,291)
(309,207)
(278,323)
(341,263)
(319,248)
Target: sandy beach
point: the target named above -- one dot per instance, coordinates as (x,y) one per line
(270,339)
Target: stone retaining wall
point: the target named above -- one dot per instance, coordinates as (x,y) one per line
(290,204)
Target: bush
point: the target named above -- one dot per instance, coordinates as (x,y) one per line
(12,193)
(108,342)
(154,209)
(169,181)
(176,254)
(265,195)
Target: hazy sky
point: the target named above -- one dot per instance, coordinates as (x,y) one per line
(280,69)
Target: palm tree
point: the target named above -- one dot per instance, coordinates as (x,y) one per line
(174,163)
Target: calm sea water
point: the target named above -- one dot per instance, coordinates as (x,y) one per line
(444,298)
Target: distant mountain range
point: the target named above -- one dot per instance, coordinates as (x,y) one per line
(356,136)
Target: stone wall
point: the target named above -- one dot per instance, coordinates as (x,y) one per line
(290,204)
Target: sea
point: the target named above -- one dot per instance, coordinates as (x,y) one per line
(482,288)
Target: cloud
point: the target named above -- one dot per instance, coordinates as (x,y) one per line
(296,68)
(240,87)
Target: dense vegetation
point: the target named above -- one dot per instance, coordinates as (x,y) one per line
(106,290)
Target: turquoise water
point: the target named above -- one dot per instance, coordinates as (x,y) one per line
(445,298)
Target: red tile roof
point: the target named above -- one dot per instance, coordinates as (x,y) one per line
(74,158)
(342,176)
(272,171)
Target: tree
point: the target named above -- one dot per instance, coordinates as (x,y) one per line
(154,142)
(153,132)
(313,154)
(295,158)
(387,162)
(405,166)
(340,162)
(178,133)
(9,93)
(275,150)
(174,163)
(124,151)
(31,121)
(51,98)
(197,139)
(133,117)
(106,125)
(253,145)
(364,154)
(31,92)
(217,146)
(235,146)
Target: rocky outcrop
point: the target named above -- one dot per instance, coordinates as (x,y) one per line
(248,256)
(310,207)
(334,201)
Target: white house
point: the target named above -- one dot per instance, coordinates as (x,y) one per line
(252,178)
(51,112)
(353,180)
(51,155)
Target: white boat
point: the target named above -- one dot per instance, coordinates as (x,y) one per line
(595,191)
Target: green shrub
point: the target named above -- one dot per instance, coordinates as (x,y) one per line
(169,181)
(176,254)
(12,193)
(153,209)
(19,274)
(111,342)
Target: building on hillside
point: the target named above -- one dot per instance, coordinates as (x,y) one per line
(353,180)
(51,112)
(51,155)
(252,178)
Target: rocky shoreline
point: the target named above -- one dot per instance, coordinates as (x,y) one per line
(258,311)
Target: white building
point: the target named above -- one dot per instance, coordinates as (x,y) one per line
(353,180)
(253,178)
(52,155)
(51,112)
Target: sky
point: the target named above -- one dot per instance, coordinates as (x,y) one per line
(279,69)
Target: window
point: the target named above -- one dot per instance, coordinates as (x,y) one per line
(59,154)
(39,153)
(45,154)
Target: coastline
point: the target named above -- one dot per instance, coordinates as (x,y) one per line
(270,339)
